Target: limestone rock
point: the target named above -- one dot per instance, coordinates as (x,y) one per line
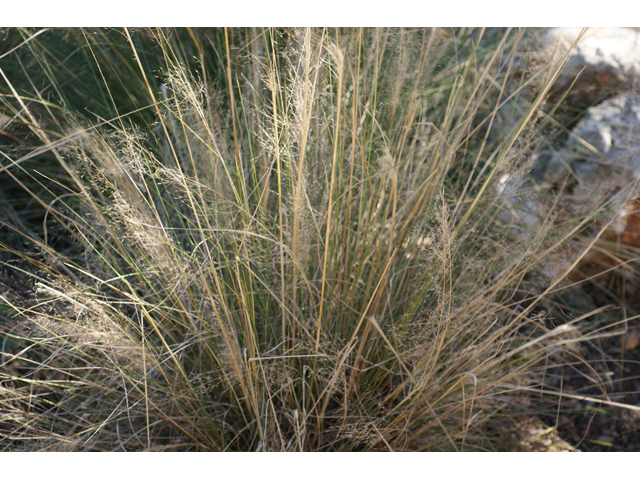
(600,165)
(520,209)
(602,154)
(609,56)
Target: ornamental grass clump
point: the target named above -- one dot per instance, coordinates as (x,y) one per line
(302,250)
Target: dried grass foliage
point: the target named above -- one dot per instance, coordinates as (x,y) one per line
(309,259)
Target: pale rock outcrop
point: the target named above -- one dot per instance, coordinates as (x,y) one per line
(599,163)
(605,58)
(601,157)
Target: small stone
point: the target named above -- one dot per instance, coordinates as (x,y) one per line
(631,339)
